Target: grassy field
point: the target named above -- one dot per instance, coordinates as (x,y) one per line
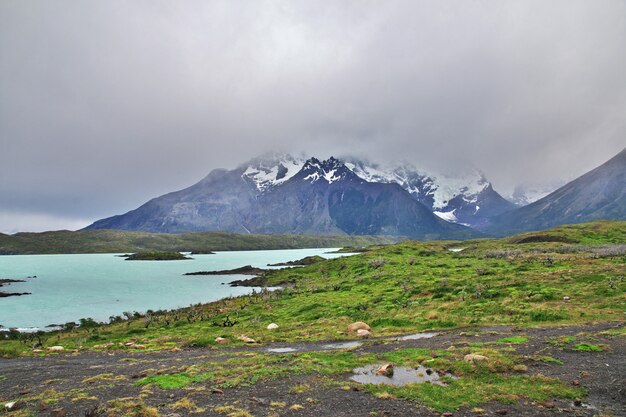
(571,274)
(119,241)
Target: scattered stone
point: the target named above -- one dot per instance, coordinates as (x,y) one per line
(547,404)
(13,405)
(261,401)
(566,298)
(93,411)
(474,357)
(246,339)
(578,402)
(359,325)
(363,333)
(222,340)
(576,383)
(58,412)
(272,326)
(56,349)
(386,370)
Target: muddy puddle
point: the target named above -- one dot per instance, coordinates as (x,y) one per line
(283,350)
(341,345)
(401,376)
(416,336)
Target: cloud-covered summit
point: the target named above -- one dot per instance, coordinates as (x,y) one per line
(104,105)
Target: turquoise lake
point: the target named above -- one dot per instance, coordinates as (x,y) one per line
(70,287)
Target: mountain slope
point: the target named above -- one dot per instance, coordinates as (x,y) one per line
(467,198)
(598,194)
(265,196)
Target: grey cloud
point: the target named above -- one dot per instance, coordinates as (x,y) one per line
(106,104)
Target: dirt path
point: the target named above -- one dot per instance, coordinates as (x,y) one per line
(114,374)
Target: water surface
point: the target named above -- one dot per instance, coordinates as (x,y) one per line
(70,287)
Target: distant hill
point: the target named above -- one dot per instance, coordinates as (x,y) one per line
(598,194)
(118,241)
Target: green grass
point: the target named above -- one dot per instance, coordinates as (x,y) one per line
(514,340)
(401,288)
(493,380)
(588,347)
(479,390)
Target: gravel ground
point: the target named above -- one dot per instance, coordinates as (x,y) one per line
(602,374)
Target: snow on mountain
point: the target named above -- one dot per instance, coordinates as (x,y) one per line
(440,188)
(446,188)
(529,193)
(330,170)
(466,198)
(271,170)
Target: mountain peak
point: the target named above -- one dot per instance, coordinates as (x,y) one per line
(271,169)
(330,170)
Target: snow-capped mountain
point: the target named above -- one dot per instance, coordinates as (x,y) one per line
(285,194)
(598,194)
(467,198)
(526,194)
(264,195)
(268,171)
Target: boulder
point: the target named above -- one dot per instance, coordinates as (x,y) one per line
(222,340)
(386,369)
(474,357)
(56,349)
(359,325)
(58,412)
(13,405)
(246,339)
(272,326)
(363,333)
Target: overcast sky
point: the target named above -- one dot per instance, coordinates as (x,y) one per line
(106,104)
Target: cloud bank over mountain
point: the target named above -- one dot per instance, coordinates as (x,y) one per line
(104,105)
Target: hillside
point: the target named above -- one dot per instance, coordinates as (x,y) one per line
(119,241)
(598,194)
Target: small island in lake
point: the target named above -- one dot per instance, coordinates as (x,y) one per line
(6,281)
(156,256)
(244,270)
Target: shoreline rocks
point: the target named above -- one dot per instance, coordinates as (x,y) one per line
(244,270)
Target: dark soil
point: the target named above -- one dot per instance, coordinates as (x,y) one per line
(602,374)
